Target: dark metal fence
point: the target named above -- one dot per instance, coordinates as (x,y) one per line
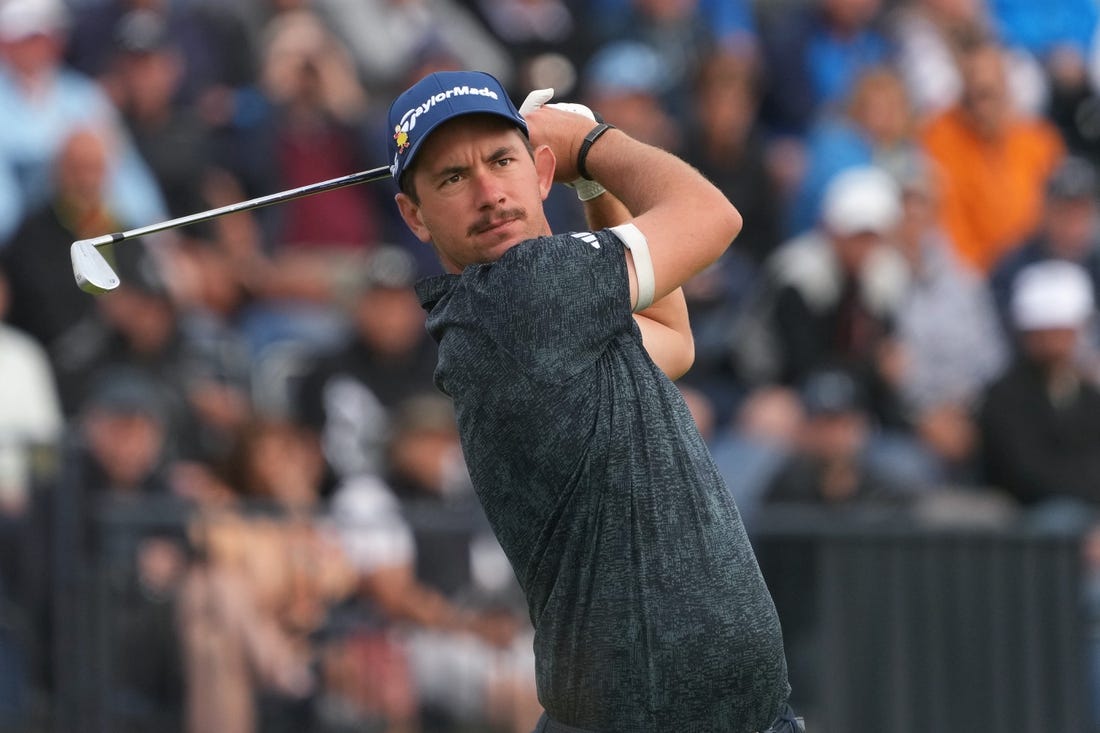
(897,626)
(891,625)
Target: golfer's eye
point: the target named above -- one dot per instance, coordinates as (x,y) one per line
(451,180)
(504,162)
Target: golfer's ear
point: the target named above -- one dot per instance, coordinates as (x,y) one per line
(410,212)
(545,163)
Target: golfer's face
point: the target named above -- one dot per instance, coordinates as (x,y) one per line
(479,190)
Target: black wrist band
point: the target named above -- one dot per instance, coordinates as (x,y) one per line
(590,138)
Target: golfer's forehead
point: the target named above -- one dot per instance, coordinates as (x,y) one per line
(455,142)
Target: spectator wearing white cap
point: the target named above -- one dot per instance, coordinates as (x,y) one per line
(832,298)
(1040,421)
(830,295)
(1067,231)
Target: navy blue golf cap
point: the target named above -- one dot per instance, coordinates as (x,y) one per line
(437,98)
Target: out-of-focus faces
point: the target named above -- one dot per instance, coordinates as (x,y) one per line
(126,444)
(666,11)
(283,466)
(81,169)
(1050,348)
(851,15)
(836,436)
(639,114)
(726,100)
(881,107)
(853,250)
(985,89)
(34,54)
(150,79)
(956,13)
(390,320)
(1070,226)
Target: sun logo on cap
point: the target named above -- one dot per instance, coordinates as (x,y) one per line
(401,137)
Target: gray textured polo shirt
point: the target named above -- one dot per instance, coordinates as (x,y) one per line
(649,608)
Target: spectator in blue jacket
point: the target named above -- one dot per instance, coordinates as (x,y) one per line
(42,102)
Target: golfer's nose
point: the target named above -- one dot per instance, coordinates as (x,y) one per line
(490,191)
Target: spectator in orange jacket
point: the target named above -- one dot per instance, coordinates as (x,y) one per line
(994,161)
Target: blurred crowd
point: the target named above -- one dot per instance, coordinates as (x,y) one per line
(909,312)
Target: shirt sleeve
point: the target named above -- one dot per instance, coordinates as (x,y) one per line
(555,303)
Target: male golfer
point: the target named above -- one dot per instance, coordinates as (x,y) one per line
(649,609)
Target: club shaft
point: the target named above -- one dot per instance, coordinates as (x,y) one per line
(374,174)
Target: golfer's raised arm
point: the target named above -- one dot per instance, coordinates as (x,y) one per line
(666,331)
(687,222)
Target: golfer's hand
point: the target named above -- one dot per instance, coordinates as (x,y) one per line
(535,99)
(541,97)
(562,130)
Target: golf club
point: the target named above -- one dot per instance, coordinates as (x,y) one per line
(94,275)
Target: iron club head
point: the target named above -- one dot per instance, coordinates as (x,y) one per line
(90,269)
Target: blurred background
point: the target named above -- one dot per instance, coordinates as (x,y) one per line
(231,499)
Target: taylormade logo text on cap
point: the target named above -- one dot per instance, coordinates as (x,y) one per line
(408,120)
(437,98)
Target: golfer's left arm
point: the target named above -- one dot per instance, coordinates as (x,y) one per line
(682,223)
(666,334)
(666,331)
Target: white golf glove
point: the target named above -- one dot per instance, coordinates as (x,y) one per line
(586,189)
(535,99)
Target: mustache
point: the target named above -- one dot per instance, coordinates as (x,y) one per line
(495,217)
